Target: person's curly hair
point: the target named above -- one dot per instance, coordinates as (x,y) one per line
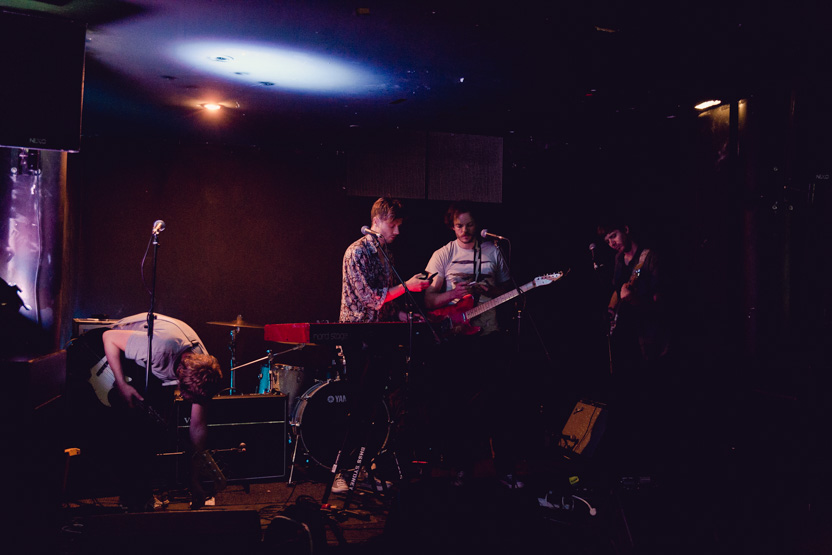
(457,208)
(200,377)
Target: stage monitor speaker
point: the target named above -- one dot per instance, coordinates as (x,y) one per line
(247,434)
(584,428)
(169,532)
(43,83)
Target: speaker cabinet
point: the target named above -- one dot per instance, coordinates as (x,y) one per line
(203,532)
(584,428)
(247,434)
(43,81)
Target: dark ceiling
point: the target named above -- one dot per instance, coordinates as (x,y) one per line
(468,67)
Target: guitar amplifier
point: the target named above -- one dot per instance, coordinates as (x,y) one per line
(583,430)
(247,435)
(81,326)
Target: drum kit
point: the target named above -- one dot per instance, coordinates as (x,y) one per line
(319,400)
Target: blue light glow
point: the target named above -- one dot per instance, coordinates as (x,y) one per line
(286,69)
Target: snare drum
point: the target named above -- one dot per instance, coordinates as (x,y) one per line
(320,419)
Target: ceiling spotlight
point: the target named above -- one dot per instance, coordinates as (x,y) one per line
(211,106)
(708,104)
(284,69)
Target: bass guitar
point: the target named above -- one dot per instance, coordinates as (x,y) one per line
(455,319)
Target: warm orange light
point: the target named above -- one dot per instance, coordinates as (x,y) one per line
(708,104)
(211,106)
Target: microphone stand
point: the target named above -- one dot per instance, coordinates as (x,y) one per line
(520,310)
(411,301)
(150,316)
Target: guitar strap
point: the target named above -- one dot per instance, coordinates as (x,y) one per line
(477,261)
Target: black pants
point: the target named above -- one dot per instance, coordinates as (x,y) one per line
(118,444)
(467,399)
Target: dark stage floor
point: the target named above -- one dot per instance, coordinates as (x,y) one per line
(746,473)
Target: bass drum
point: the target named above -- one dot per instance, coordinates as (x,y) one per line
(320,420)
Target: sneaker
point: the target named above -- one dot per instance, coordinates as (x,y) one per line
(511,482)
(339,485)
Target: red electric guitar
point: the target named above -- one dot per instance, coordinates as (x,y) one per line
(455,319)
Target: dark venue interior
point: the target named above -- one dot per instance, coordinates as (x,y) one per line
(551,118)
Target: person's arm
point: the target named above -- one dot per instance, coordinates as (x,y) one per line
(416,284)
(435,297)
(644,292)
(115,343)
(198,434)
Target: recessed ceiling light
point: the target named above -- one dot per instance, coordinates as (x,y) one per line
(222,58)
(708,104)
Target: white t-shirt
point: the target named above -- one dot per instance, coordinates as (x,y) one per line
(458,266)
(171,338)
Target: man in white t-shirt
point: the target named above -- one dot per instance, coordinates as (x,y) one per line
(466,406)
(467,266)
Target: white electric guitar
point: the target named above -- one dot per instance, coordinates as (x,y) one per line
(87,350)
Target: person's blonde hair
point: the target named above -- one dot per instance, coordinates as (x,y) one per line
(386,209)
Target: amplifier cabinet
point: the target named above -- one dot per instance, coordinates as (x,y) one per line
(583,430)
(246,433)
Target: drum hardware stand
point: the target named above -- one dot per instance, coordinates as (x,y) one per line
(232,346)
(232,343)
(269,356)
(295,440)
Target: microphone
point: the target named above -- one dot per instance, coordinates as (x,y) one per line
(592,252)
(486,235)
(365,230)
(158,225)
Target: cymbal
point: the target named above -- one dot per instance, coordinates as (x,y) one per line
(238,323)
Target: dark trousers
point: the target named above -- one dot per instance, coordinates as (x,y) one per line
(467,400)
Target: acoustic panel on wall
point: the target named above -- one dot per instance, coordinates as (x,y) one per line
(388,163)
(418,165)
(465,167)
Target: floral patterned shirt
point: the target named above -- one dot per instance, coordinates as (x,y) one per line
(365,280)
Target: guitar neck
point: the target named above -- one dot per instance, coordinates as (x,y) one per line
(488,305)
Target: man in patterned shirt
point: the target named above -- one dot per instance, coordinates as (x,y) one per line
(368,283)
(368,286)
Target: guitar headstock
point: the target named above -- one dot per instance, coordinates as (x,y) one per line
(546,279)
